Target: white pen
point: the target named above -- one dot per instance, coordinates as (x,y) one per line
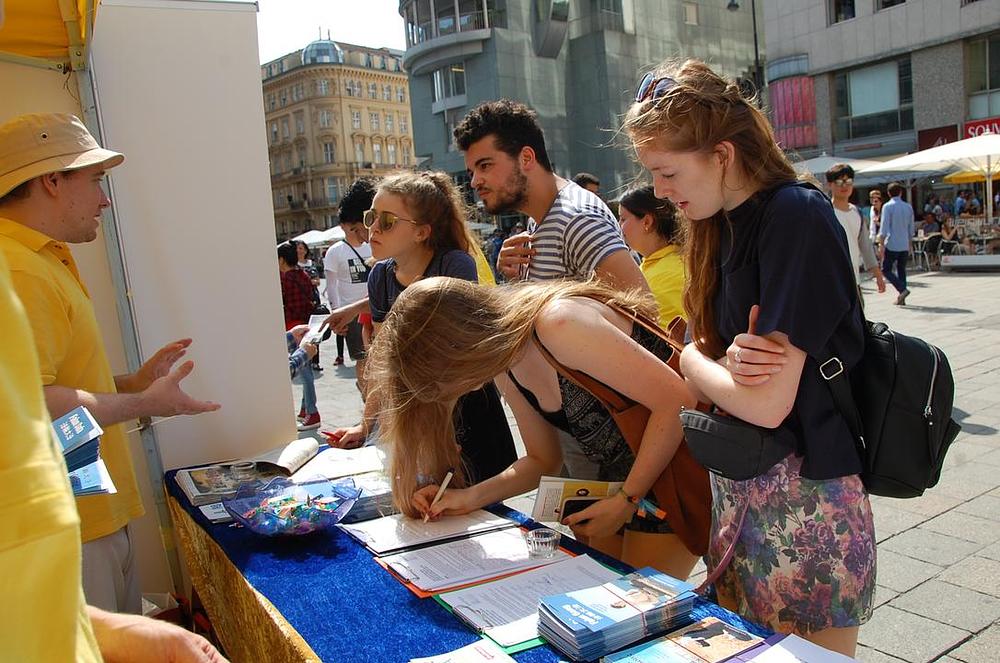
(440,492)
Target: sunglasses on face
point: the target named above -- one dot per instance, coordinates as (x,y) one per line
(386,220)
(651,87)
(844,181)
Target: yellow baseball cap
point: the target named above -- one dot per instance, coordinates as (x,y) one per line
(41,143)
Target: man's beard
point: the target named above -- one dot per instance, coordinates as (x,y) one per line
(513,195)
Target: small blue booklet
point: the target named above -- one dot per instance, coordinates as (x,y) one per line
(590,623)
(79,437)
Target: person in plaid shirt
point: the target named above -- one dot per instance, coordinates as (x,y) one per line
(296,287)
(296,297)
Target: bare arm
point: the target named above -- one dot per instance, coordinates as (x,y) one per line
(543,456)
(338,319)
(143,640)
(766,404)
(162,398)
(620,271)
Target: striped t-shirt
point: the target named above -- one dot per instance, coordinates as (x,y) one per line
(576,235)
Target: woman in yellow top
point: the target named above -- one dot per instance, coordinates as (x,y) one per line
(649,225)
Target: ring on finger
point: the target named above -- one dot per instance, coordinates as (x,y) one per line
(736,356)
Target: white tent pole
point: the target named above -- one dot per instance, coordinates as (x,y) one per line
(989,189)
(128,329)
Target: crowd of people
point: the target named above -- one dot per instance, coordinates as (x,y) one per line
(727,238)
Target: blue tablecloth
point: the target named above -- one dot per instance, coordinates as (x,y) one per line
(348,608)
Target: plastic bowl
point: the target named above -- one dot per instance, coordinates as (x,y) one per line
(284,508)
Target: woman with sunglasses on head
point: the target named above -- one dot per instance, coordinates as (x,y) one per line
(418,230)
(446,336)
(761,248)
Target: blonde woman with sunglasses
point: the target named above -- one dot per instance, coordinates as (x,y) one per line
(417,230)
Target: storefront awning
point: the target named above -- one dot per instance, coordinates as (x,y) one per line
(51,34)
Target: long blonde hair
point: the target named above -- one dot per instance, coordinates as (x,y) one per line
(433,199)
(698,112)
(443,338)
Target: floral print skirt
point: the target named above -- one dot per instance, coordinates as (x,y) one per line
(805,559)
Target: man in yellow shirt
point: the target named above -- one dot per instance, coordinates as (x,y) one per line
(51,170)
(43,616)
(649,226)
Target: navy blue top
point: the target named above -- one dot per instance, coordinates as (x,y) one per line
(789,254)
(384,288)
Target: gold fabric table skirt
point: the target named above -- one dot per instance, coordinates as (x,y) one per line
(249,627)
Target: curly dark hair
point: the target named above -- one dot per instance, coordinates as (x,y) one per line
(357,200)
(512,124)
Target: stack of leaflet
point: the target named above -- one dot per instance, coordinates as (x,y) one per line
(590,623)
(375,500)
(79,434)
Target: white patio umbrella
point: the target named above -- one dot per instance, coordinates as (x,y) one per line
(818,166)
(980,154)
(319,237)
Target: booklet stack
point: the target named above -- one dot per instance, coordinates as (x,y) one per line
(590,623)
(79,437)
(708,640)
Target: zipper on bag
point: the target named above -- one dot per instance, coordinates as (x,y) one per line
(930,390)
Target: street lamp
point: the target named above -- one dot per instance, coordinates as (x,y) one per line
(758,75)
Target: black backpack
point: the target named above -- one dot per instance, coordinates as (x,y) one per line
(897,403)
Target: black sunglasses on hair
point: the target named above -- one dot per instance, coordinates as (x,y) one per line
(651,87)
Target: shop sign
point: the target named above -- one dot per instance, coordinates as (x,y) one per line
(980,127)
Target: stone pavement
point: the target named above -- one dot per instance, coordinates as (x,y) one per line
(938,594)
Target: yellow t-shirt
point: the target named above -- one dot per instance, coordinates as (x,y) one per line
(71,354)
(42,615)
(483,270)
(664,271)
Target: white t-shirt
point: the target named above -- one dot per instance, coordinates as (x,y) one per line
(851,221)
(346,273)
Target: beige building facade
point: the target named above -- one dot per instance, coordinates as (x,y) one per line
(334,112)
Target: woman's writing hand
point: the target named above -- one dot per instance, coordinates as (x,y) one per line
(453,502)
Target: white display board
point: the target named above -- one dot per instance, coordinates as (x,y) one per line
(178,89)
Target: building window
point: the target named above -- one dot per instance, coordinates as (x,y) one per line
(300,123)
(391,149)
(387,93)
(388,123)
(377,151)
(983,77)
(301,154)
(449,81)
(298,92)
(373,121)
(404,124)
(325,118)
(355,119)
(332,190)
(272,101)
(322,87)
(400,94)
(359,151)
(406,156)
(274,132)
(690,13)
(373,91)
(885,4)
(841,10)
(285,131)
(276,166)
(352,88)
(283,99)
(288,161)
(873,100)
(328,152)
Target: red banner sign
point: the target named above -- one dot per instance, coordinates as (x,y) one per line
(927,138)
(979,127)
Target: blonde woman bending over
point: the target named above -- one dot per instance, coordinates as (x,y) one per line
(445,337)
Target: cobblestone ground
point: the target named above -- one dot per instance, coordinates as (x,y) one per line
(938,592)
